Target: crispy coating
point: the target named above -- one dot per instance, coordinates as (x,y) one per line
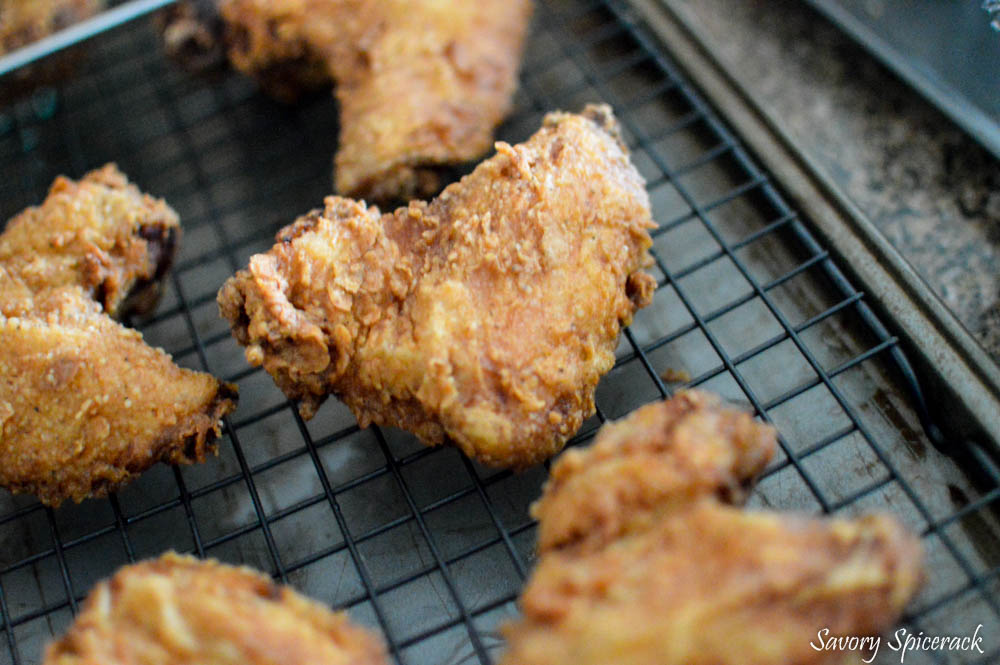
(85,404)
(712,584)
(25,21)
(421,83)
(101,234)
(660,457)
(177,610)
(484,318)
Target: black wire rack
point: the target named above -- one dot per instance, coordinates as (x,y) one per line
(421,544)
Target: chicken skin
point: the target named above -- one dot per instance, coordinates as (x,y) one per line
(85,404)
(643,559)
(178,610)
(422,84)
(661,456)
(101,234)
(483,318)
(711,583)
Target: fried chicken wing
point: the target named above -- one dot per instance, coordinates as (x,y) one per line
(421,84)
(85,404)
(715,584)
(644,561)
(660,457)
(178,610)
(101,234)
(483,318)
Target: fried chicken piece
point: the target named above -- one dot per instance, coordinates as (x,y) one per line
(660,457)
(25,21)
(716,584)
(178,610)
(483,318)
(85,404)
(422,84)
(101,234)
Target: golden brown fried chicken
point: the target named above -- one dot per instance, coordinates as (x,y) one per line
(659,458)
(421,83)
(483,318)
(101,234)
(642,562)
(85,404)
(25,21)
(712,584)
(178,610)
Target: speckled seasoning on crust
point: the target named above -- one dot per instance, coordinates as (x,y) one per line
(177,610)
(85,404)
(658,458)
(644,559)
(483,318)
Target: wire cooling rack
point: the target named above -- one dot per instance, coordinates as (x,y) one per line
(420,544)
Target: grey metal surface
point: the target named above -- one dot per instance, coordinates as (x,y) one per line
(947,49)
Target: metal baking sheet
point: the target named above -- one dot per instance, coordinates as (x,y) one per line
(426,548)
(947,50)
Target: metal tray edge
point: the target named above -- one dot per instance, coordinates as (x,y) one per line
(960,379)
(79,32)
(950,101)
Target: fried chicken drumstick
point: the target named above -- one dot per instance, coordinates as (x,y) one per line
(483,318)
(422,84)
(177,610)
(85,404)
(643,561)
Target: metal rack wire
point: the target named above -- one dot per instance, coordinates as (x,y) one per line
(421,544)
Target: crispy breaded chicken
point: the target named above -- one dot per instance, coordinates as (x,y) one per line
(643,560)
(177,610)
(25,21)
(101,234)
(657,459)
(710,583)
(422,84)
(483,318)
(85,404)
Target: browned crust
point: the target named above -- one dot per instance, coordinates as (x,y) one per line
(657,459)
(188,442)
(421,85)
(484,318)
(643,561)
(177,610)
(85,405)
(716,584)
